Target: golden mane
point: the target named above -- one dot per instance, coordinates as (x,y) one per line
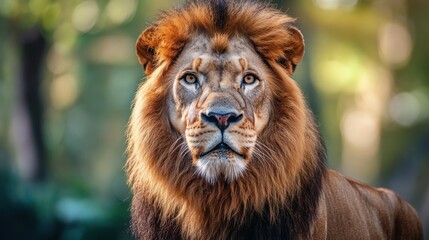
(159,168)
(267,28)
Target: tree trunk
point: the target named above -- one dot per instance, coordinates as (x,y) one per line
(27,118)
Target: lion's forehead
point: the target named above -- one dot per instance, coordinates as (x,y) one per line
(238,55)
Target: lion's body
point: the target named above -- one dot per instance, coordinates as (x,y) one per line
(346,210)
(222,145)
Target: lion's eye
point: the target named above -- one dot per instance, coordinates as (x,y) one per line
(249,79)
(190,78)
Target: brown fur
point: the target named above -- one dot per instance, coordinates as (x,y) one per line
(283,191)
(220,43)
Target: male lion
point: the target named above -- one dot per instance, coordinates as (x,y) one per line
(223,146)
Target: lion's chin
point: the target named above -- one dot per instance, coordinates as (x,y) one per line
(221,164)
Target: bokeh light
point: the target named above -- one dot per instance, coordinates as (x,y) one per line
(335,4)
(64,91)
(404,108)
(395,44)
(120,11)
(112,49)
(85,15)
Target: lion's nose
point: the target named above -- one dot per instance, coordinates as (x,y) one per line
(222,120)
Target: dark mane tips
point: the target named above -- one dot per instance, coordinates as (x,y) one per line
(218,10)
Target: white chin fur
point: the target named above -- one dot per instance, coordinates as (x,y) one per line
(211,168)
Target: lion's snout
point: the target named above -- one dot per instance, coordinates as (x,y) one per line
(221,138)
(221,120)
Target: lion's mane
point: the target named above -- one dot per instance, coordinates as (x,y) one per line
(283,188)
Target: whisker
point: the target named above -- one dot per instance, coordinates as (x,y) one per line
(183,150)
(265,146)
(262,151)
(175,145)
(260,156)
(267,149)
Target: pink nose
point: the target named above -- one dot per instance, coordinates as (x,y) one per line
(222,121)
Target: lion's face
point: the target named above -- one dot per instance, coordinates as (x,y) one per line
(219,103)
(219,80)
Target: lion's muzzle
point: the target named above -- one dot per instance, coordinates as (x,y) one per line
(219,138)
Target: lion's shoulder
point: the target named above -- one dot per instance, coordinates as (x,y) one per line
(356,210)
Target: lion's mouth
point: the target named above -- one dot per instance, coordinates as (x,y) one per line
(222,147)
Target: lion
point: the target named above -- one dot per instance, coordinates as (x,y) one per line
(221,144)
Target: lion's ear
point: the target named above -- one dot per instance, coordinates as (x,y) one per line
(145,48)
(294,50)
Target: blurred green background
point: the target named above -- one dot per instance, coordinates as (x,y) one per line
(68,74)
